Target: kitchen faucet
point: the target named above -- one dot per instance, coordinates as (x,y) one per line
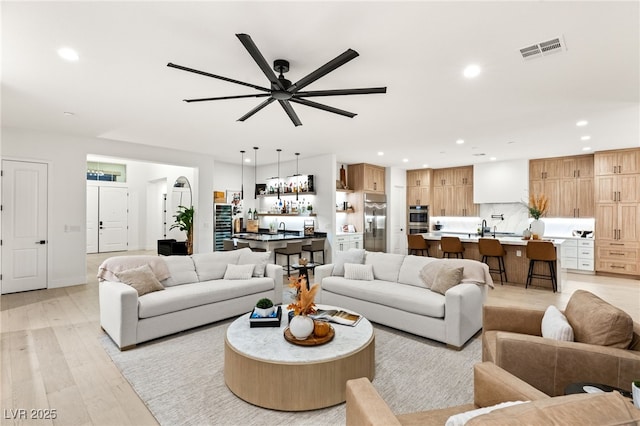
(482,226)
(284,227)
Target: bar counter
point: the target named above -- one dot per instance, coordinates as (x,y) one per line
(515,259)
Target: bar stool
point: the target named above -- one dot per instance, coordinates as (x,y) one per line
(242,244)
(292,249)
(451,245)
(490,247)
(316,246)
(542,251)
(227,245)
(417,243)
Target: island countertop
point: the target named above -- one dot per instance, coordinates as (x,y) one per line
(473,238)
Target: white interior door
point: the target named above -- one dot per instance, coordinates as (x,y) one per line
(398,214)
(92,219)
(112,222)
(24,226)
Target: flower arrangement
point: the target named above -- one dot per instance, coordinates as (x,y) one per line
(303,305)
(538,205)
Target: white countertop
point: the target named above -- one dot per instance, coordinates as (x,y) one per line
(473,238)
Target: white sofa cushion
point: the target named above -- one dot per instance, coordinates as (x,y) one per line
(260,259)
(239,272)
(212,266)
(180,297)
(410,270)
(399,296)
(555,325)
(182,271)
(348,256)
(141,278)
(386,266)
(353,271)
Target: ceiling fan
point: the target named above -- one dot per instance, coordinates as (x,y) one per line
(282,90)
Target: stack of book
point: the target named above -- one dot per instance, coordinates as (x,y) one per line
(272,320)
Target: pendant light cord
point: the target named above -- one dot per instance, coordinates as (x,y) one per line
(279,151)
(255,172)
(297,175)
(242,176)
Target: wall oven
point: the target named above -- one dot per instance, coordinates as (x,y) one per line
(418,219)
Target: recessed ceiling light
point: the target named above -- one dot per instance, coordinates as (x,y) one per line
(380,153)
(460,141)
(405,160)
(582,123)
(247,160)
(585,138)
(425,165)
(492,158)
(471,71)
(68,54)
(586,148)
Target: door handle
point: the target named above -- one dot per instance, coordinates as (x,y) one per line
(41,242)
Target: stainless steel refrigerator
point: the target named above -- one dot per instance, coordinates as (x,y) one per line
(375,222)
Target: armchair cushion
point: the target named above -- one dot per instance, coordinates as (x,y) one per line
(596,322)
(555,325)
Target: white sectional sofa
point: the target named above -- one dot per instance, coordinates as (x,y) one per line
(398,297)
(195,293)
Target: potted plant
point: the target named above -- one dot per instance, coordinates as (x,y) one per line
(184,222)
(309,209)
(264,307)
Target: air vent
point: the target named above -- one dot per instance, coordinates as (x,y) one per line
(543,48)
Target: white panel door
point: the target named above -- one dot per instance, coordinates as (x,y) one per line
(398,216)
(112,223)
(24,226)
(92,219)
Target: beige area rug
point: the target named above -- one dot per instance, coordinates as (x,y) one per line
(180,378)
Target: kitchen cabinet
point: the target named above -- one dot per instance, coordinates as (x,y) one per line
(545,168)
(576,187)
(617,193)
(550,188)
(578,254)
(419,187)
(545,178)
(453,192)
(345,242)
(366,177)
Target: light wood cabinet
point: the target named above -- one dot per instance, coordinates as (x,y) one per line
(546,168)
(453,192)
(419,187)
(366,177)
(617,197)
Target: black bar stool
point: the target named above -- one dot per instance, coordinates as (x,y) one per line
(542,251)
(417,243)
(292,249)
(451,245)
(227,245)
(490,247)
(316,246)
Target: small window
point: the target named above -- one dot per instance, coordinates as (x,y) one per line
(107,172)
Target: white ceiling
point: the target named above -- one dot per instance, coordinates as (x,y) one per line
(121,88)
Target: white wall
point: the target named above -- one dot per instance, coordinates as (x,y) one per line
(67,156)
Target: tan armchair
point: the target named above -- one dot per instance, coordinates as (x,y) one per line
(493,385)
(512,339)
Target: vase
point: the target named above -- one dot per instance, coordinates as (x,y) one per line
(264,312)
(537,228)
(301,326)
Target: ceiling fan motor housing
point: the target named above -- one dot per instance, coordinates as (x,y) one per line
(281,66)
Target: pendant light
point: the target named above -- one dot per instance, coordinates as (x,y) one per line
(279,151)
(255,172)
(297,176)
(242,176)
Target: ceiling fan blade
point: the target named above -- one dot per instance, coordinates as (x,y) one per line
(322,107)
(290,112)
(338,61)
(257,95)
(256,109)
(231,80)
(340,92)
(251,47)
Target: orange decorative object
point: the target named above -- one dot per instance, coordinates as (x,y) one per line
(321,328)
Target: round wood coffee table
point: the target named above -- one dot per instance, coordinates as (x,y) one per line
(262,368)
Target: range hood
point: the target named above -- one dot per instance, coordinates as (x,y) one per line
(501,182)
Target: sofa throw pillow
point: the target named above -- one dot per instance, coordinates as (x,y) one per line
(461,419)
(446,278)
(354,271)
(596,322)
(141,278)
(429,271)
(258,258)
(349,256)
(555,325)
(239,272)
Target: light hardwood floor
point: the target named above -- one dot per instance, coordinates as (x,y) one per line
(51,358)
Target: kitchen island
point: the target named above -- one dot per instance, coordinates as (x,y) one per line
(515,259)
(268,241)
